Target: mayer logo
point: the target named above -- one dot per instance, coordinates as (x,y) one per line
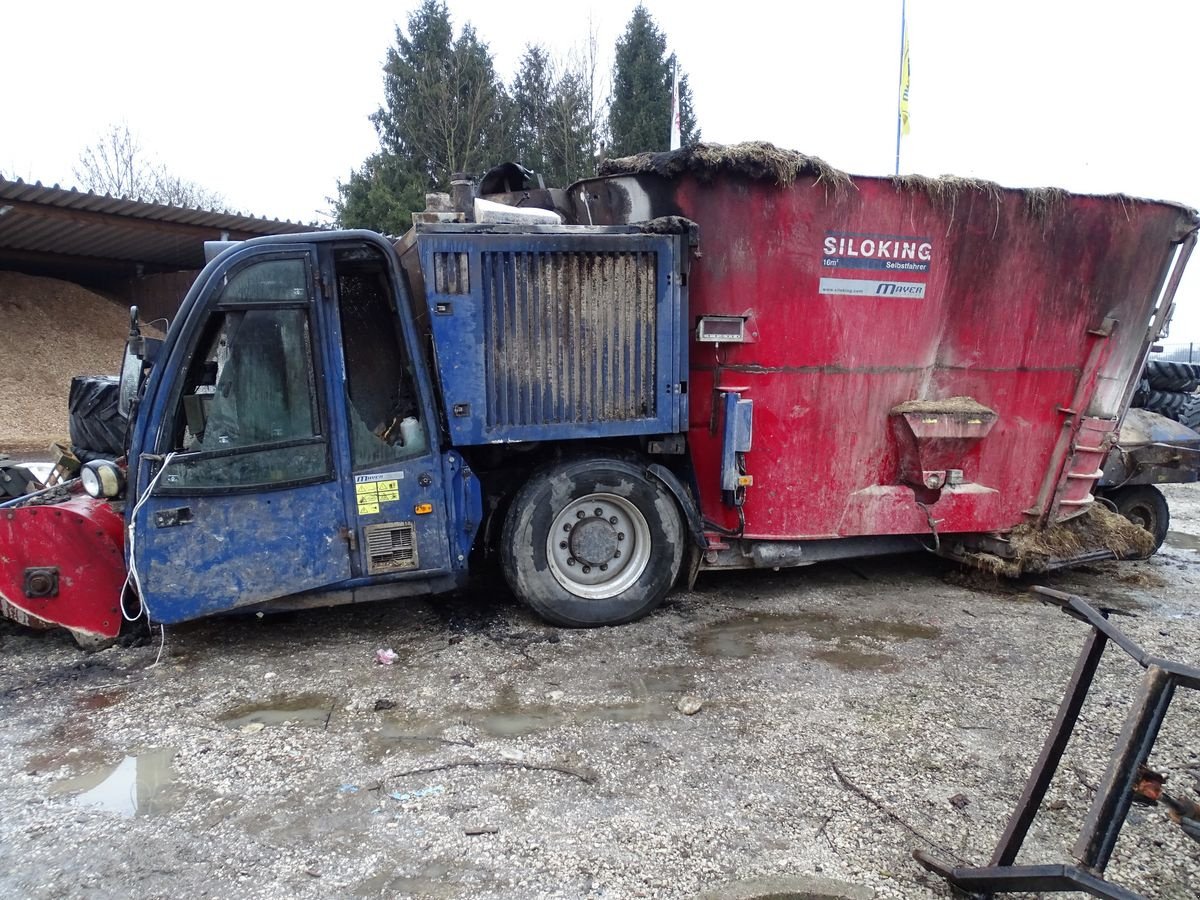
(880,252)
(869,287)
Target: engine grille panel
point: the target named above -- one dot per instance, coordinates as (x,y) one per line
(569,337)
(391,547)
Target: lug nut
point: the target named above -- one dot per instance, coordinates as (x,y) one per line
(567,527)
(562,545)
(612,520)
(603,567)
(580,514)
(599,511)
(620,535)
(616,553)
(587,570)
(571,561)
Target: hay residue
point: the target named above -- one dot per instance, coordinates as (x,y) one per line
(946,189)
(756,160)
(1043,203)
(1036,549)
(669,225)
(964,405)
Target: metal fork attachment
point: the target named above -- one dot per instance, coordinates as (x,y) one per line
(1126,779)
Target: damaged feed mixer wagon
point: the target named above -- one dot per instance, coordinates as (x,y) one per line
(718,357)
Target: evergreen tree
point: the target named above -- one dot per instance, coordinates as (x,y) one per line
(689,128)
(639,116)
(552,127)
(444,111)
(532,98)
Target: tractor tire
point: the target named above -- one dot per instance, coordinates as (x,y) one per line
(1184,408)
(1144,505)
(592,541)
(1140,394)
(1172,376)
(97,426)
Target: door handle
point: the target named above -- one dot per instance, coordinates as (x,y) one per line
(168,518)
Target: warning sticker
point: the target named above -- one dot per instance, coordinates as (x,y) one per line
(371,494)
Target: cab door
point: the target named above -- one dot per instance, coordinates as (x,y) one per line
(241,501)
(396,497)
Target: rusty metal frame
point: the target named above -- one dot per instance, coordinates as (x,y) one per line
(1104,820)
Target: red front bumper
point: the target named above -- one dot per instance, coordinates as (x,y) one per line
(63,564)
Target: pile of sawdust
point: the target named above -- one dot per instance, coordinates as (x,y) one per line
(756,160)
(1035,549)
(50,331)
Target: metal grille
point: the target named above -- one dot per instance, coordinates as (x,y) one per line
(391,547)
(451,273)
(570,337)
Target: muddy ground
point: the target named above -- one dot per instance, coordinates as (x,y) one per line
(850,714)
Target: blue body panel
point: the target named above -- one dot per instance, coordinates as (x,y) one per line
(199,551)
(553,336)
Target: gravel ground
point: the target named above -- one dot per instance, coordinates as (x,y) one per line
(848,714)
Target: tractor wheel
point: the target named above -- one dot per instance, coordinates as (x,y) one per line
(1183,408)
(1172,376)
(1144,505)
(593,541)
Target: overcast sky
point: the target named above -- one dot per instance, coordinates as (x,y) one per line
(266,103)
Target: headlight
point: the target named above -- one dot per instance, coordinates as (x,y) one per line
(101,478)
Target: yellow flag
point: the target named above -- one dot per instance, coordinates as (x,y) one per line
(904,85)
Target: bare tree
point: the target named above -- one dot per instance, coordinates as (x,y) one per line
(117,165)
(583,61)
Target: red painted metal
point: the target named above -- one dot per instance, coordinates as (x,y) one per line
(862,297)
(81,537)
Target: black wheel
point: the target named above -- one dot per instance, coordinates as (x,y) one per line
(1172,376)
(96,424)
(1183,408)
(593,541)
(1144,505)
(1141,393)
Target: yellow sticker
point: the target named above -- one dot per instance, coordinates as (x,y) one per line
(388,496)
(365,490)
(387,486)
(367,508)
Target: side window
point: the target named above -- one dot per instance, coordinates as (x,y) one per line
(248,412)
(383,409)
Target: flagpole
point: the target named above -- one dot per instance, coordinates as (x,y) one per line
(900,90)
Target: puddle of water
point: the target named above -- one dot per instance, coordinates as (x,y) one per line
(1181,540)
(419,735)
(672,680)
(53,758)
(851,660)
(653,696)
(856,641)
(307,710)
(136,786)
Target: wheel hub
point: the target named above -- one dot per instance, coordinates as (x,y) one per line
(1139,516)
(593,541)
(598,545)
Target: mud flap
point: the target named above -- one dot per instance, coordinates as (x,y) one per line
(63,564)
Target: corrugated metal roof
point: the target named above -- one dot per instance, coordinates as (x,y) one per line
(39,224)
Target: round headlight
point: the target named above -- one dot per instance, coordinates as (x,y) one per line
(101,478)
